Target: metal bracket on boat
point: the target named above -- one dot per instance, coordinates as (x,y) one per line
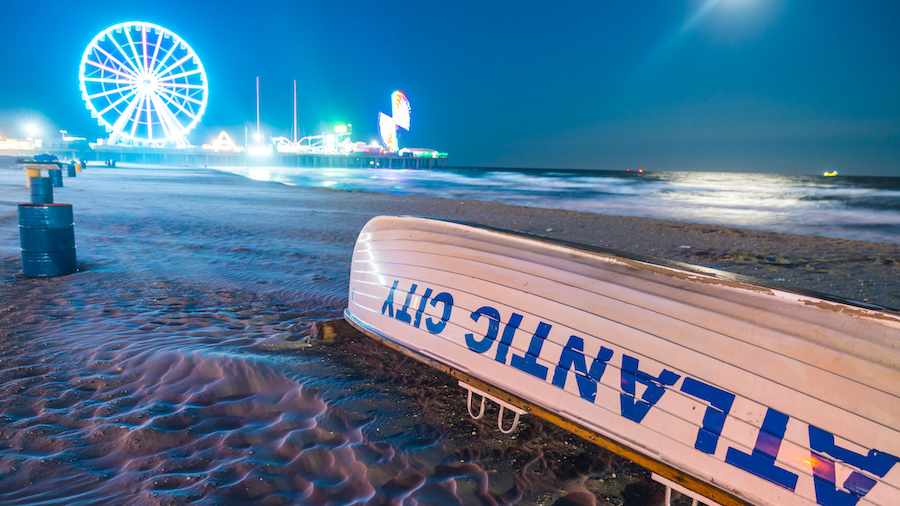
(671,485)
(503,405)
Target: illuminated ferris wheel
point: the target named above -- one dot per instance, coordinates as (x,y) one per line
(144,84)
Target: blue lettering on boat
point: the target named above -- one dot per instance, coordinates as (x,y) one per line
(508,332)
(528,362)
(402,314)
(490,336)
(389,301)
(438,327)
(720,403)
(822,443)
(421,309)
(573,356)
(656,387)
(760,462)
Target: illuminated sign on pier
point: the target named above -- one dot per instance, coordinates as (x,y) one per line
(389,125)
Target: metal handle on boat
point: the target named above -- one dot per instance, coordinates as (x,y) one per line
(670,485)
(500,422)
(469,406)
(668,502)
(503,406)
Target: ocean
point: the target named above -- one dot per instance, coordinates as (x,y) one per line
(848,207)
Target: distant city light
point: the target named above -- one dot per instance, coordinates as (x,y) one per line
(15,144)
(259,150)
(223,143)
(419,152)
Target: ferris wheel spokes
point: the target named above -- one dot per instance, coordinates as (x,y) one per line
(180,85)
(121,99)
(169,120)
(137,113)
(134,67)
(106,80)
(137,58)
(119,126)
(163,120)
(145,89)
(175,94)
(155,51)
(178,105)
(110,69)
(145,109)
(159,76)
(144,42)
(114,90)
(121,65)
(164,59)
(178,98)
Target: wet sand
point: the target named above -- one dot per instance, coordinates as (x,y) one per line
(173,369)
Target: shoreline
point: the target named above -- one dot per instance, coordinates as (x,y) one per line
(801,205)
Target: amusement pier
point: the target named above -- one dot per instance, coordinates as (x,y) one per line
(148,89)
(197,156)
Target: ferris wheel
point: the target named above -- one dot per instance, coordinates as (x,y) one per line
(144,84)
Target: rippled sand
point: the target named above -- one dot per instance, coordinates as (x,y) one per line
(173,368)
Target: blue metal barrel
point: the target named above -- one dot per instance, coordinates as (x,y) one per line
(55,177)
(71,170)
(47,236)
(41,190)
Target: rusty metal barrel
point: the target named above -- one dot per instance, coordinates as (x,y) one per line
(47,237)
(41,190)
(55,174)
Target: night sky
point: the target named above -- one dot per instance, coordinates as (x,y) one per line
(800,86)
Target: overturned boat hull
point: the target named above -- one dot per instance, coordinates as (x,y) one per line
(743,393)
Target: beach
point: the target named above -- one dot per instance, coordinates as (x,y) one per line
(174,366)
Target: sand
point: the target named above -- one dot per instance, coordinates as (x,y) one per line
(173,367)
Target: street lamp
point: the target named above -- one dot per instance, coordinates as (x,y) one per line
(32,135)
